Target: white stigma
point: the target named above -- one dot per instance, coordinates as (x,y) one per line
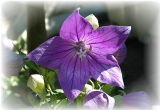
(81,53)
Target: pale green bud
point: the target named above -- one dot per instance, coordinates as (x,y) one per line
(88,88)
(93,21)
(36,83)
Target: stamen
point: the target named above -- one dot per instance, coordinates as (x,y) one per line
(81,49)
(81,53)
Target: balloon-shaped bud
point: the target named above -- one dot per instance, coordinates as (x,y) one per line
(93,21)
(36,83)
(98,99)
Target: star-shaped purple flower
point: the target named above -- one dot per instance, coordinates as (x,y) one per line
(79,52)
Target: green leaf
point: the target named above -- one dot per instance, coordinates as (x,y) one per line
(107,88)
(30,64)
(50,77)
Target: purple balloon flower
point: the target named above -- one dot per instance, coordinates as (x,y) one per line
(79,52)
(136,100)
(96,99)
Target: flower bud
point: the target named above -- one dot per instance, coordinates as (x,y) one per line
(88,88)
(36,83)
(93,21)
(98,99)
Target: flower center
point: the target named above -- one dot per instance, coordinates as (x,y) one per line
(81,49)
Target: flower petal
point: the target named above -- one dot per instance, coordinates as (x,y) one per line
(108,59)
(51,53)
(97,99)
(121,54)
(112,76)
(75,27)
(105,73)
(108,39)
(138,99)
(73,76)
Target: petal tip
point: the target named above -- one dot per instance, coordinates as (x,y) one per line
(125,30)
(73,95)
(122,86)
(31,56)
(28,56)
(71,99)
(77,9)
(128,29)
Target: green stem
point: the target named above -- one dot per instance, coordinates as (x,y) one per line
(92,83)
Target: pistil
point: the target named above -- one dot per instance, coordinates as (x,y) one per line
(81,49)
